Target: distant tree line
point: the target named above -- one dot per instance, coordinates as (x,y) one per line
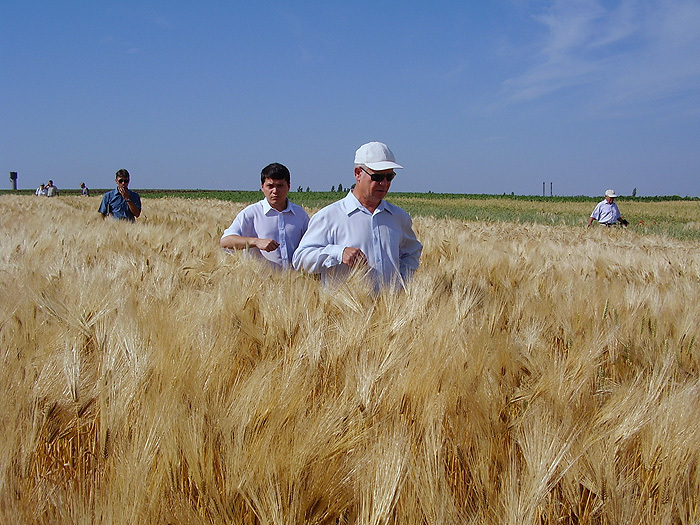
(333,189)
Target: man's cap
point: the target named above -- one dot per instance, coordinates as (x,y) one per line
(610,193)
(376,156)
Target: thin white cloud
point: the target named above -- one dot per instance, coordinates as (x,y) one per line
(161,21)
(456,71)
(134,15)
(120,45)
(299,34)
(637,52)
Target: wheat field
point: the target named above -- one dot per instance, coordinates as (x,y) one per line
(529,374)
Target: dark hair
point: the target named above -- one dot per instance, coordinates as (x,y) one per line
(123,173)
(275,171)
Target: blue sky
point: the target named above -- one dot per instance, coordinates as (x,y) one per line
(472,96)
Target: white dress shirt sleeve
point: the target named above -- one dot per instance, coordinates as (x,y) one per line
(316,251)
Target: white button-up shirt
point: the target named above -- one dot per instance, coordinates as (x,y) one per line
(264,222)
(386,237)
(606,212)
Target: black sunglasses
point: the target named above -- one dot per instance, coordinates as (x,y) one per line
(122,180)
(379,177)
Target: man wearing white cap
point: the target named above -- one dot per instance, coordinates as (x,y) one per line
(363,230)
(606,211)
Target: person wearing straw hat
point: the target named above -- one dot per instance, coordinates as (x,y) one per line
(363,231)
(606,211)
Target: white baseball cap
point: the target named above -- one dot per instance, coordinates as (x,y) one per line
(610,193)
(376,156)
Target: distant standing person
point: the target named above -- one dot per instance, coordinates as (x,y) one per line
(363,230)
(41,191)
(51,190)
(84,191)
(121,203)
(606,211)
(273,226)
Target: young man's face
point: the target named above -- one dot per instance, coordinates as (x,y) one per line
(275,191)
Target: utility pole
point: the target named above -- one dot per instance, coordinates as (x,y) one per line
(543,189)
(551,194)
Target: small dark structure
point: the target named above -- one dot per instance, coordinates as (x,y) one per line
(13,178)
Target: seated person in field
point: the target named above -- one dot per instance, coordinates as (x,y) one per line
(606,211)
(121,203)
(363,230)
(273,226)
(84,191)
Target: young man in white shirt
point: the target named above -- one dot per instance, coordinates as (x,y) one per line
(272,227)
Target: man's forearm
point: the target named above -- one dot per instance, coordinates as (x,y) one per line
(135,210)
(236,242)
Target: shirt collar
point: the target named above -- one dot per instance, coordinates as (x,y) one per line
(350,204)
(267,208)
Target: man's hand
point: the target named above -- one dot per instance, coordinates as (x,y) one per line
(267,245)
(124,193)
(354,257)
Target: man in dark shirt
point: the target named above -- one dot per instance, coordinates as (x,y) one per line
(121,203)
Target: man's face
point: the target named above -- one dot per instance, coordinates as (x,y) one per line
(610,199)
(369,191)
(275,191)
(122,181)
